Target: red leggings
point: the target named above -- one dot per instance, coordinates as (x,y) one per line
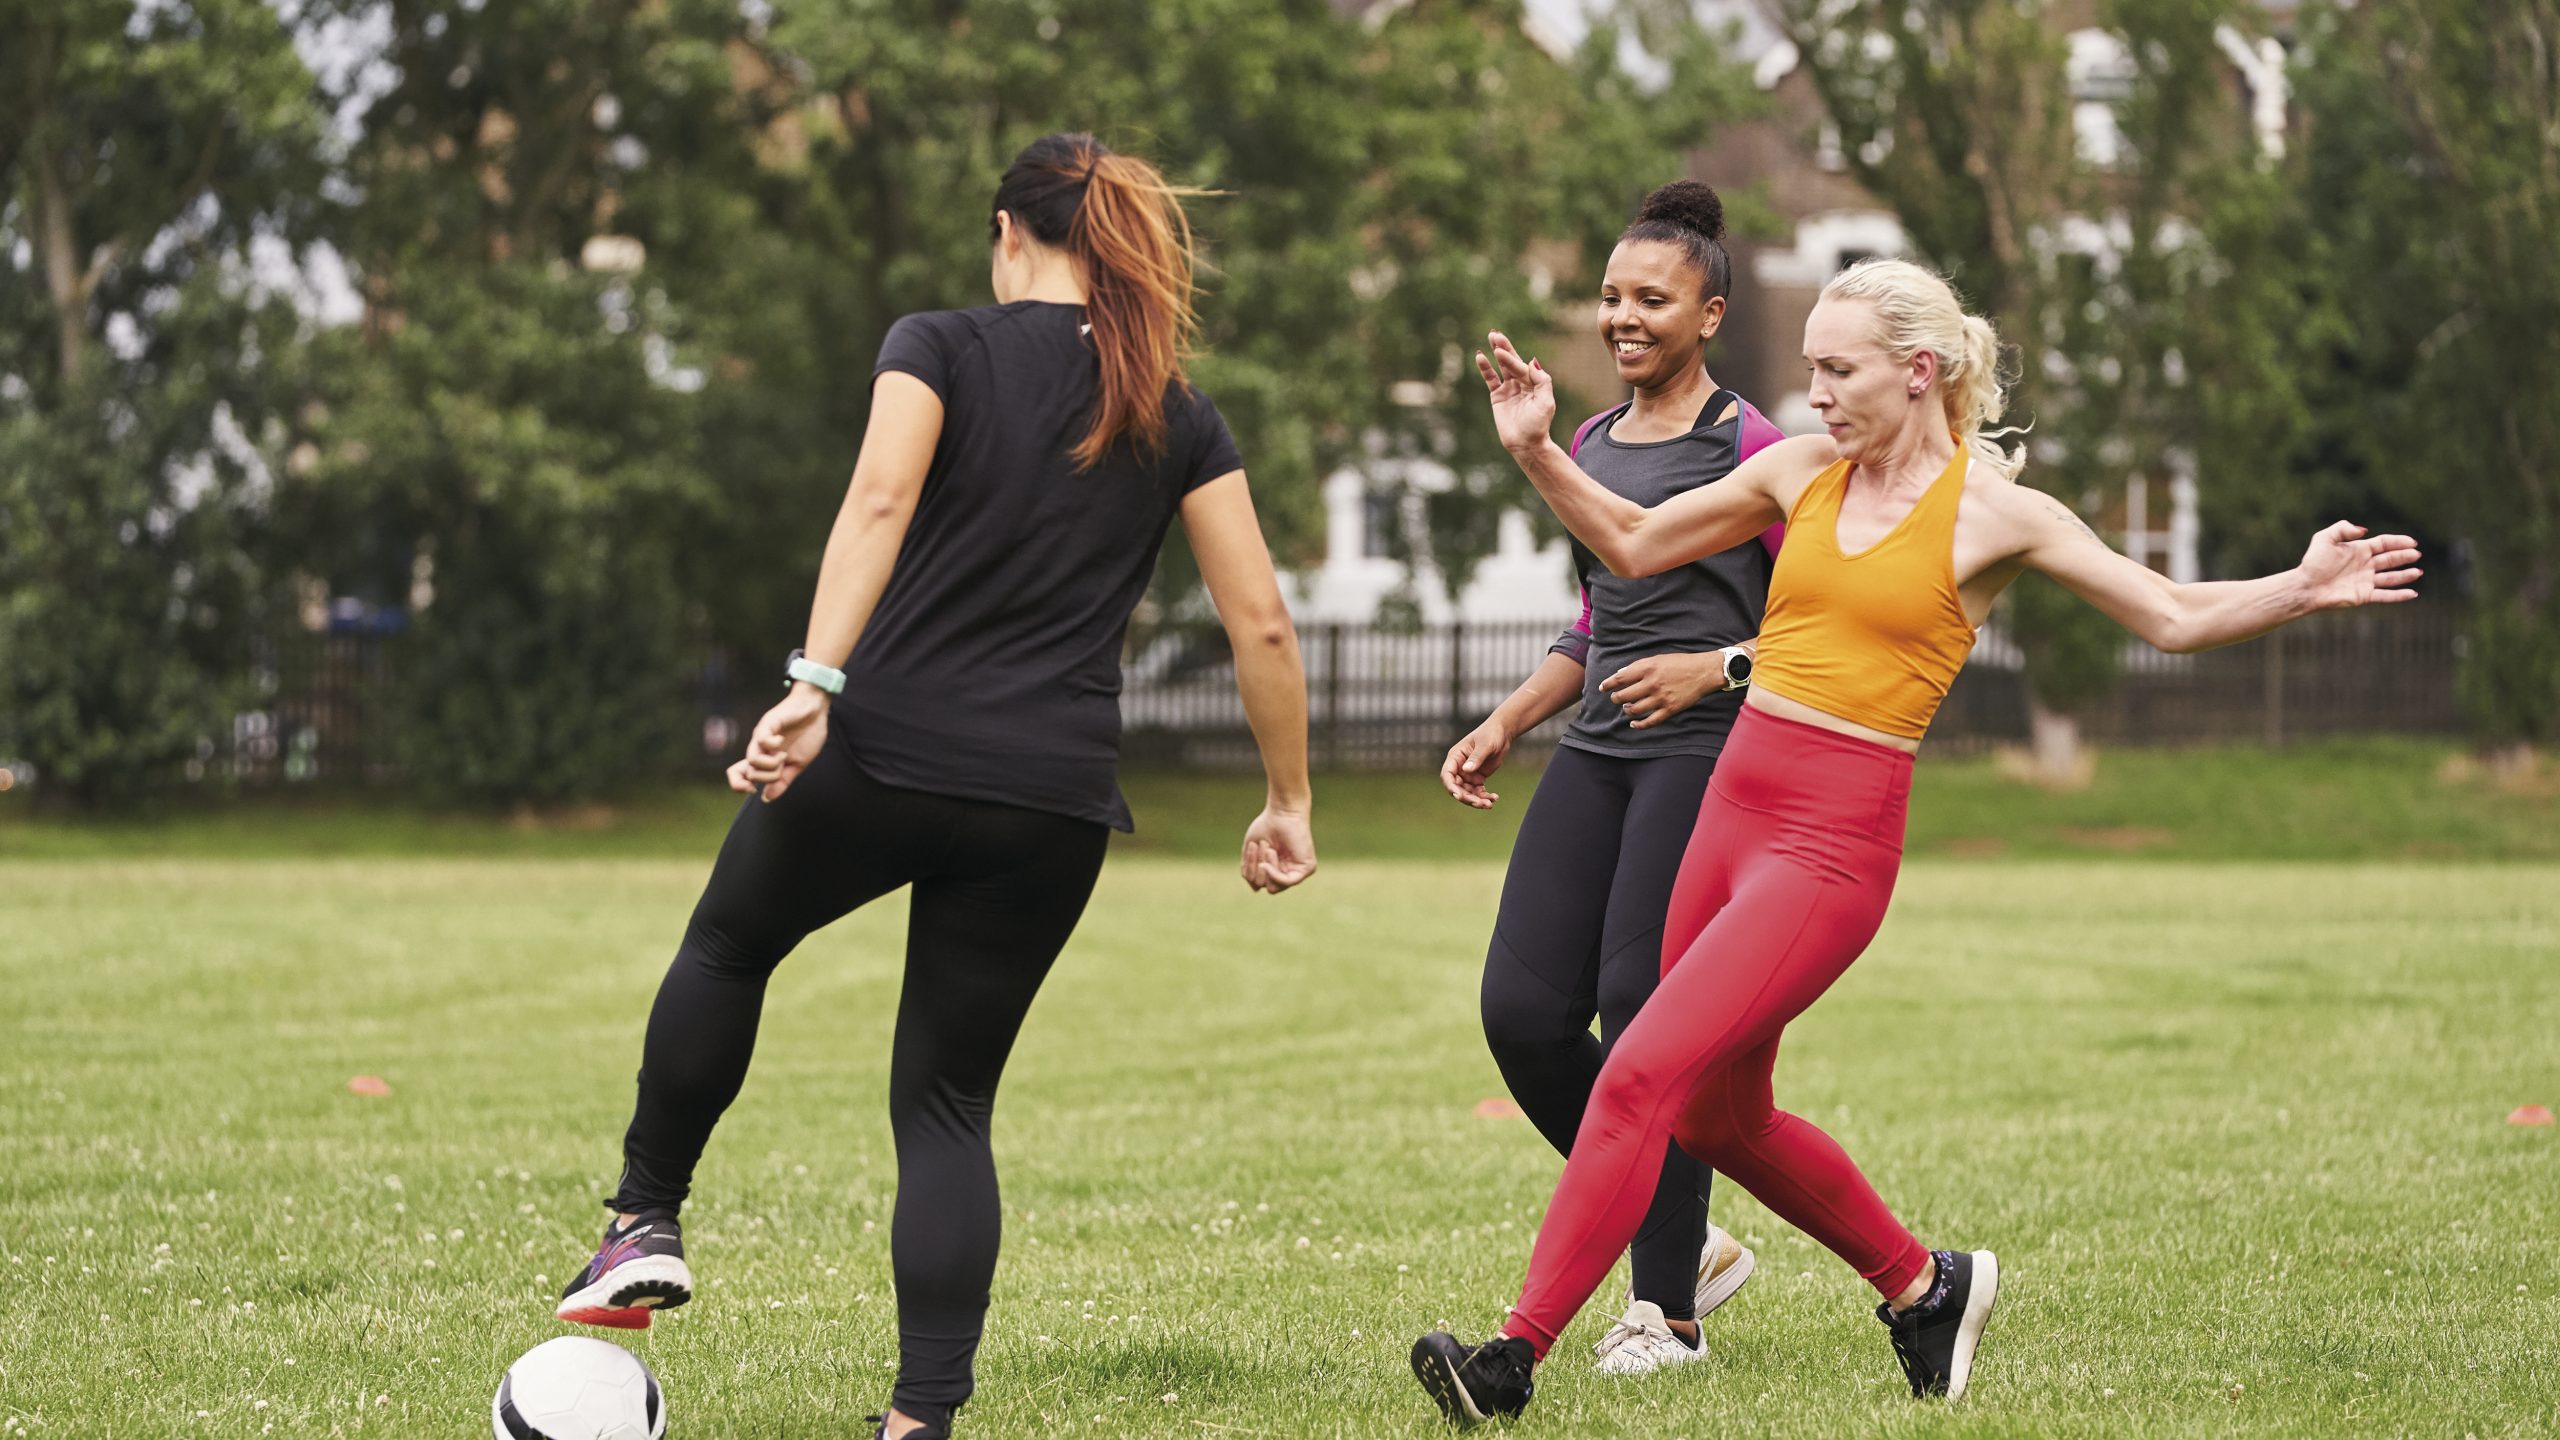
(1785,880)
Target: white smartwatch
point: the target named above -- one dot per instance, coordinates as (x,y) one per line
(825,677)
(1737,667)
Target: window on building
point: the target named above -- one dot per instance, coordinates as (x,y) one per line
(2101,76)
(1381,523)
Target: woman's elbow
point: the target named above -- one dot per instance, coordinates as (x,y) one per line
(1629,560)
(1267,632)
(2172,633)
(1278,636)
(879,504)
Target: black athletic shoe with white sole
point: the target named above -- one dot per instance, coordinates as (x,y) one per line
(1472,1384)
(880,1430)
(1935,1338)
(637,1271)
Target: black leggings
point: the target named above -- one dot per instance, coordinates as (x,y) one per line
(1580,933)
(997,891)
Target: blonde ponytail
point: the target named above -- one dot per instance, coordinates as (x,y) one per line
(1916,309)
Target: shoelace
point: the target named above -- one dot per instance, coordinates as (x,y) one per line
(1621,1334)
(1906,1348)
(1509,1367)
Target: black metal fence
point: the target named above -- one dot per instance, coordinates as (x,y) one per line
(1390,698)
(1382,699)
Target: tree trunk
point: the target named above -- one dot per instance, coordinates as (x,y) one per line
(2057,757)
(62,269)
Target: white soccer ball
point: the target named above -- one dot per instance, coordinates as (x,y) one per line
(578,1388)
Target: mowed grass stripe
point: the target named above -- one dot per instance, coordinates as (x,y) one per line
(2236,1130)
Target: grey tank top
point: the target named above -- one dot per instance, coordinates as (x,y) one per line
(1700,606)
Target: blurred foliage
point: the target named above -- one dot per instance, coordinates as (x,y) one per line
(141,150)
(2429,204)
(794,187)
(2096,262)
(621,267)
(511,434)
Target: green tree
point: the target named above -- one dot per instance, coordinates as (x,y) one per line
(1382,182)
(772,199)
(2431,189)
(141,151)
(2099,261)
(512,435)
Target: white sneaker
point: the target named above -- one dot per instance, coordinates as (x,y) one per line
(1641,1341)
(1723,1264)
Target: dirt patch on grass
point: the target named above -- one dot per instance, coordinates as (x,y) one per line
(2124,839)
(580,819)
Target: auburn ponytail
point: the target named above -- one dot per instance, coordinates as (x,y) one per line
(1124,225)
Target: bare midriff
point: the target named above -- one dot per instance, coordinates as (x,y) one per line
(1760,697)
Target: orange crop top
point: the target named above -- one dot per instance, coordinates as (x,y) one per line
(1876,637)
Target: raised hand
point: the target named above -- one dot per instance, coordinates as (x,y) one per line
(1523,394)
(2346,567)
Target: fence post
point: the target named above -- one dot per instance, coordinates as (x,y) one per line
(1457,677)
(1332,749)
(2274,699)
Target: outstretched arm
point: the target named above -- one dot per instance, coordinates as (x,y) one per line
(2344,567)
(1629,538)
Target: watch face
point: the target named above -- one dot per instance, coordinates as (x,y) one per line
(1737,668)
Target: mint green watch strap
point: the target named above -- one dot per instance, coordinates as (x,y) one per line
(825,677)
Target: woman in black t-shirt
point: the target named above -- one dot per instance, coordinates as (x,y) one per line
(953,725)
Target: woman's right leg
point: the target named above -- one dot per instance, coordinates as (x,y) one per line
(1541,971)
(1577,935)
(835,840)
(1665,1259)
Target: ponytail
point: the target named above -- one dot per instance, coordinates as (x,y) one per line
(1916,309)
(1976,394)
(1124,225)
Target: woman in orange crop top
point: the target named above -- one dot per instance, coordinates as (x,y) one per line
(1903,525)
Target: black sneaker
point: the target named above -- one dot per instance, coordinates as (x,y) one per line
(639,1270)
(1472,1384)
(1935,1338)
(880,1430)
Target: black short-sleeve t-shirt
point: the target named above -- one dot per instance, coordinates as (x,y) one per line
(991,667)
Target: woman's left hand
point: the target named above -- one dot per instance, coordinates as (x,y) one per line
(788,737)
(1658,687)
(2345,566)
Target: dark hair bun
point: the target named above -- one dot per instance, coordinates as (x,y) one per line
(1689,204)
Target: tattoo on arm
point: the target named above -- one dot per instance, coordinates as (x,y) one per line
(2065,512)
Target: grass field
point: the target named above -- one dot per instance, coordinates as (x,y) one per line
(2373,798)
(2236,1129)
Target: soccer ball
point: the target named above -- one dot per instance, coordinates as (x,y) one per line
(578,1388)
